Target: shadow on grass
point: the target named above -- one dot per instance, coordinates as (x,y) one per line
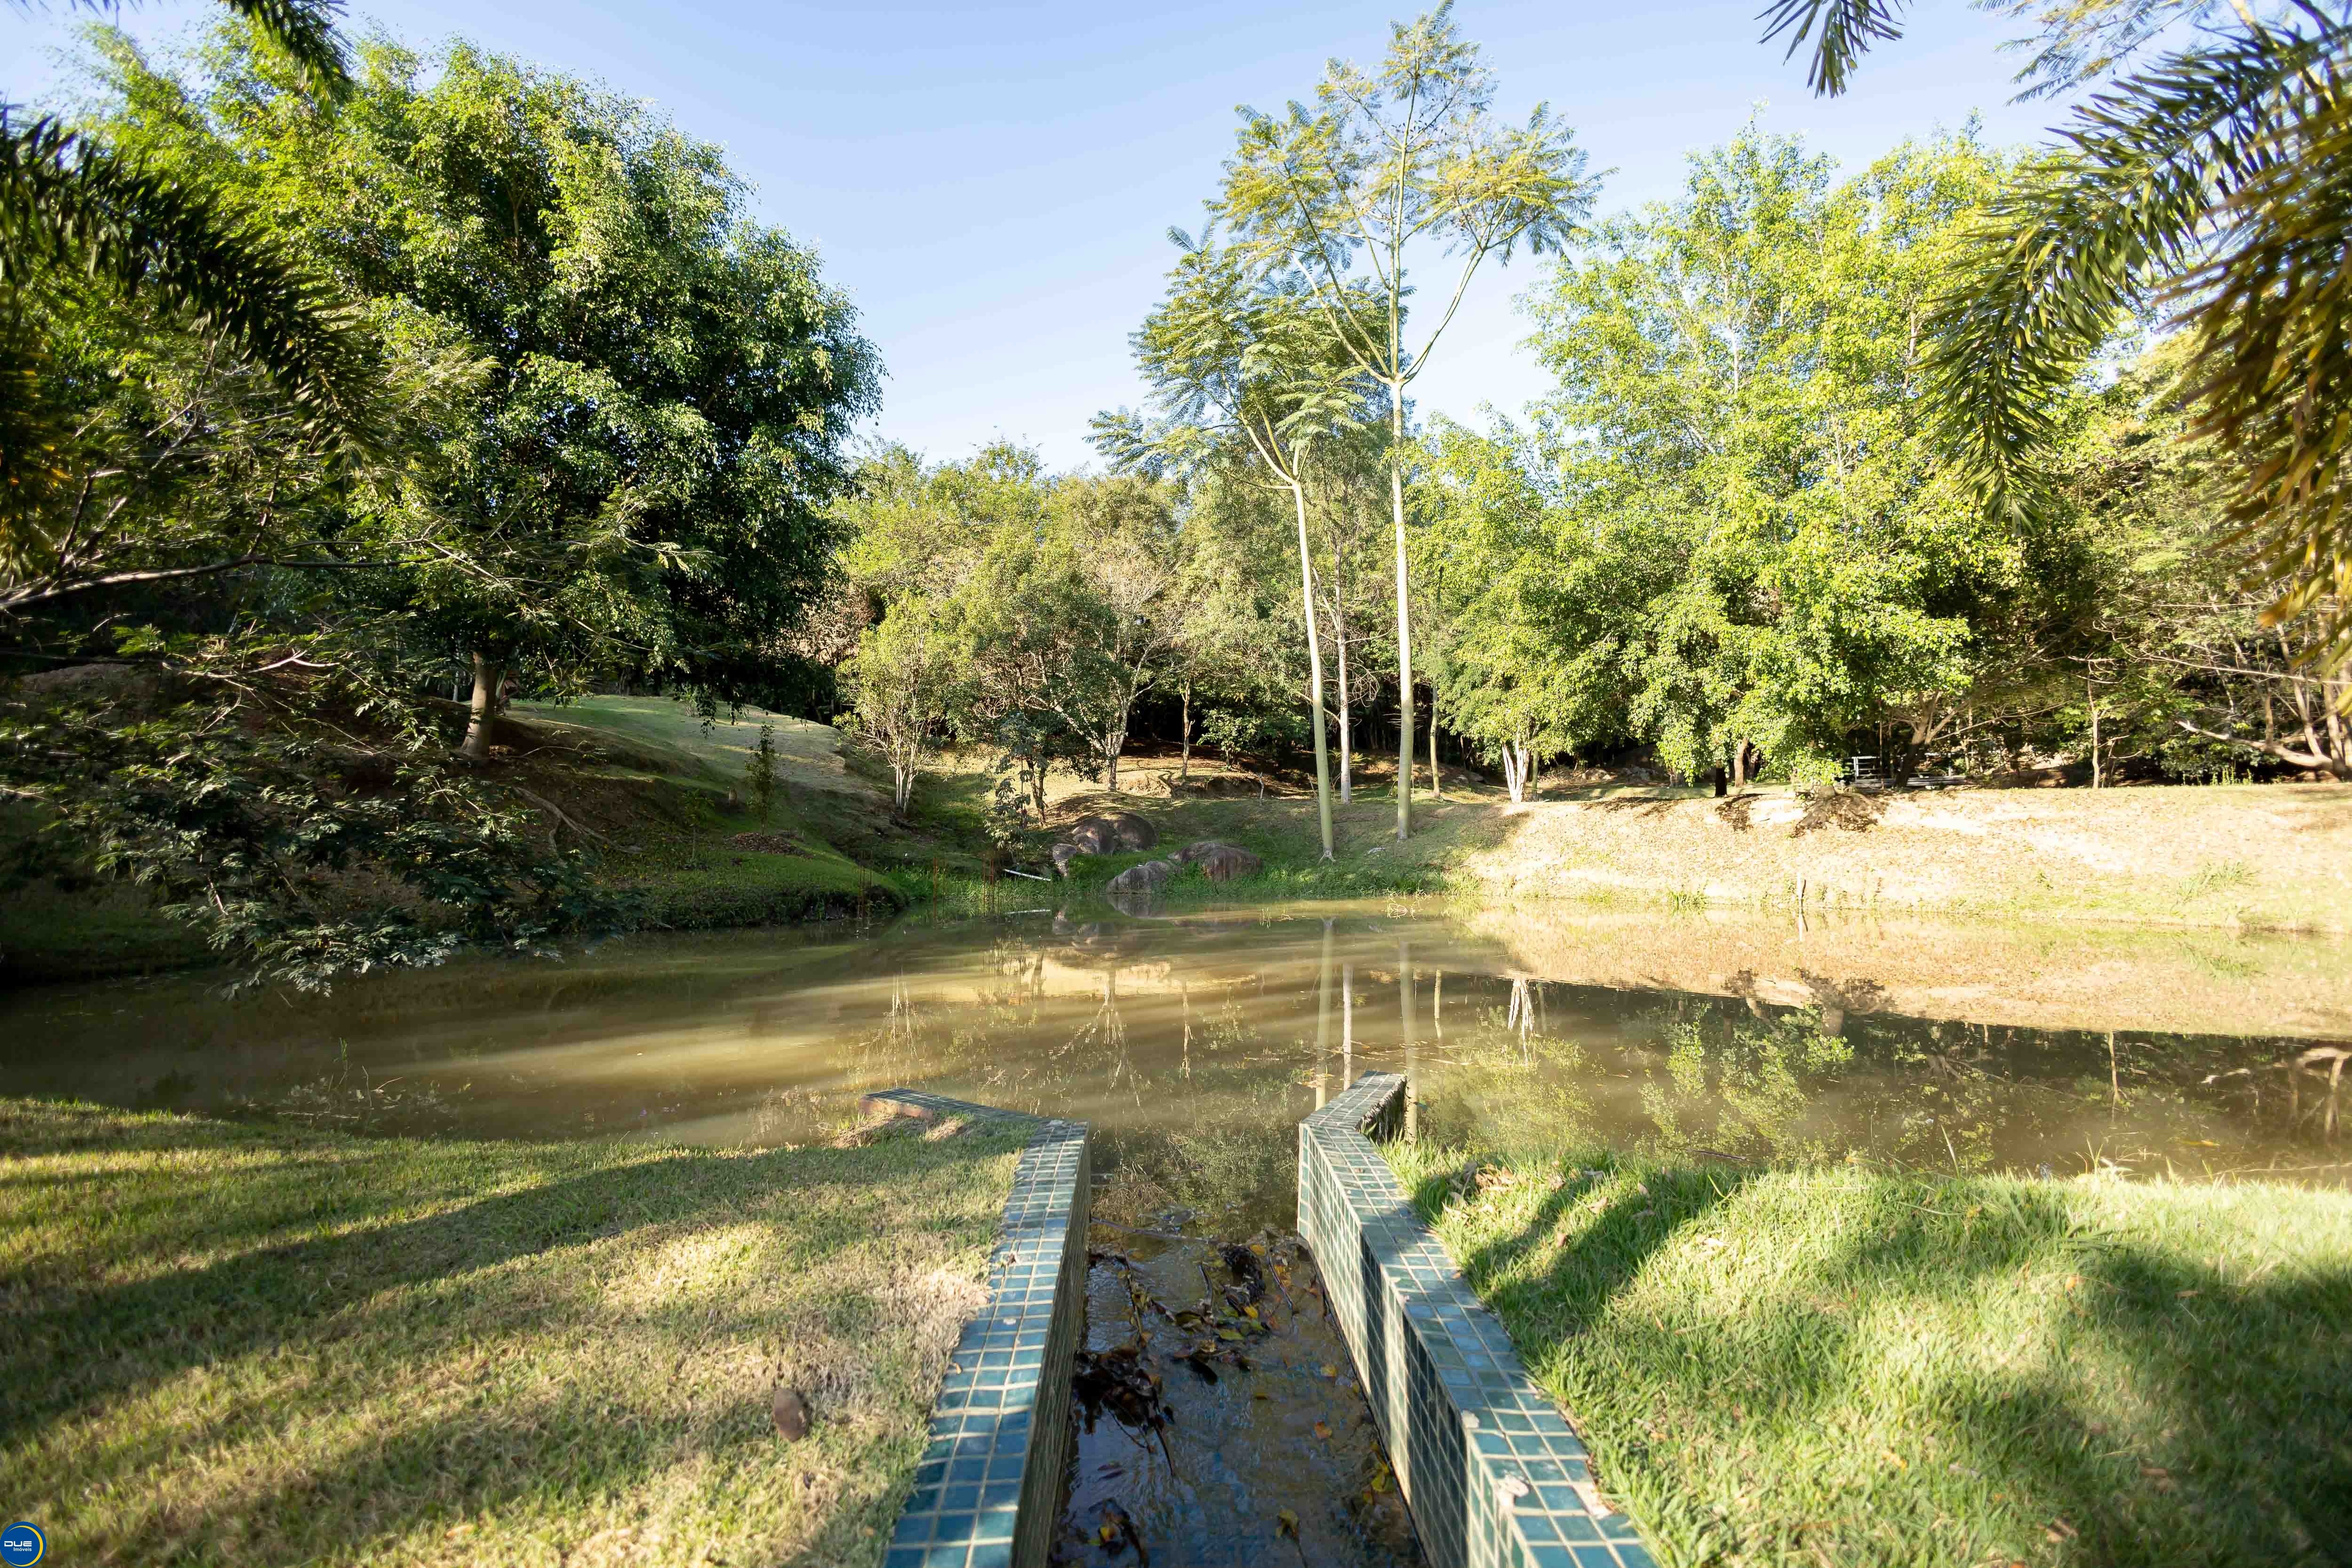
(544,1351)
(1894,1370)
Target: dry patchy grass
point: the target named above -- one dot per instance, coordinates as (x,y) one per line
(238,1344)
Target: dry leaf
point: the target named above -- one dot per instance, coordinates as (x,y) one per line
(1330,1370)
(2061,1531)
(791,1412)
(1323,1429)
(1894,1458)
(1287,1524)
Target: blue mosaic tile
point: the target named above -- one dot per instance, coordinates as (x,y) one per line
(1491,1469)
(988,1489)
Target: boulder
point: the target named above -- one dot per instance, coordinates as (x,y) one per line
(1111,832)
(1133,833)
(1220,862)
(1063,854)
(1147,878)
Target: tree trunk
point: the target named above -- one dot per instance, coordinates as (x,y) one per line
(1436,779)
(489,673)
(2091,695)
(1714,776)
(1404,631)
(1184,768)
(1347,733)
(1113,742)
(1314,673)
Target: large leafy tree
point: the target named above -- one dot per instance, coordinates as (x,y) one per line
(2212,184)
(1407,158)
(638,484)
(1736,540)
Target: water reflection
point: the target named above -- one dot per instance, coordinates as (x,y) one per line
(1194,1044)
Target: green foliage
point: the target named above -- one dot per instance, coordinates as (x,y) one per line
(1730,530)
(310,826)
(2213,182)
(636,483)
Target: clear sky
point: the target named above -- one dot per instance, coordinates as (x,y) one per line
(992,184)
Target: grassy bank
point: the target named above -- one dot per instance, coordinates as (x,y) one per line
(1840,1365)
(230,1343)
(2235,858)
(660,800)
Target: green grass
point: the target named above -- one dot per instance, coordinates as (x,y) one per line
(231,1344)
(93,932)
(1840,1365)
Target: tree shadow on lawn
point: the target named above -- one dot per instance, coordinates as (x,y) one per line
(255,1406)
(2014,1378)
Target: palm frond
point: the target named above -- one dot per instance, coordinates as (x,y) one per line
(1842,31)
(2220,184)
(303,29)
(68,203)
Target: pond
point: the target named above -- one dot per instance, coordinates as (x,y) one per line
(1193,1042)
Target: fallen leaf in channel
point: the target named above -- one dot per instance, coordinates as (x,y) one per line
(1258,1248)
(1330,1370)
(1227,1334)
(1287,1524)
(1323,1429)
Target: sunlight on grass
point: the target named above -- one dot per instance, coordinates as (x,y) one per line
(1842,1365)
(237,1344)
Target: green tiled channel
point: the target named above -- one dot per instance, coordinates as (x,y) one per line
(1488,1466)
(989,1487)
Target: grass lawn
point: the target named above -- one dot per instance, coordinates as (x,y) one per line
(231,1344)
(1839,1365)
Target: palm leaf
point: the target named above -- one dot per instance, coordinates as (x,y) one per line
(2218,184)
(1841,30)
(66,202)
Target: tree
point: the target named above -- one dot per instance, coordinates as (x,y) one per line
(1733,537)
(899,685)
(1405,159)
(638,488)
(1061,629)
(1240,364)
(2209,183)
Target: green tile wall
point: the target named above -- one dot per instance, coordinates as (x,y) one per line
(1489,1466)
(989,1487)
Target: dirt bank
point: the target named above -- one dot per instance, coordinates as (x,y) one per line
(2260,857)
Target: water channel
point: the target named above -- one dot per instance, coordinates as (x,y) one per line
(1193,1043)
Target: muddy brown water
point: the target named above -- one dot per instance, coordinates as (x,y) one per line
(1194,1043)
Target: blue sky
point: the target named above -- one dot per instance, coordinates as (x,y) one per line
(992,184)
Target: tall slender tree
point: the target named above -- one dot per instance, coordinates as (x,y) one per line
(1240,360)
(1406,158)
